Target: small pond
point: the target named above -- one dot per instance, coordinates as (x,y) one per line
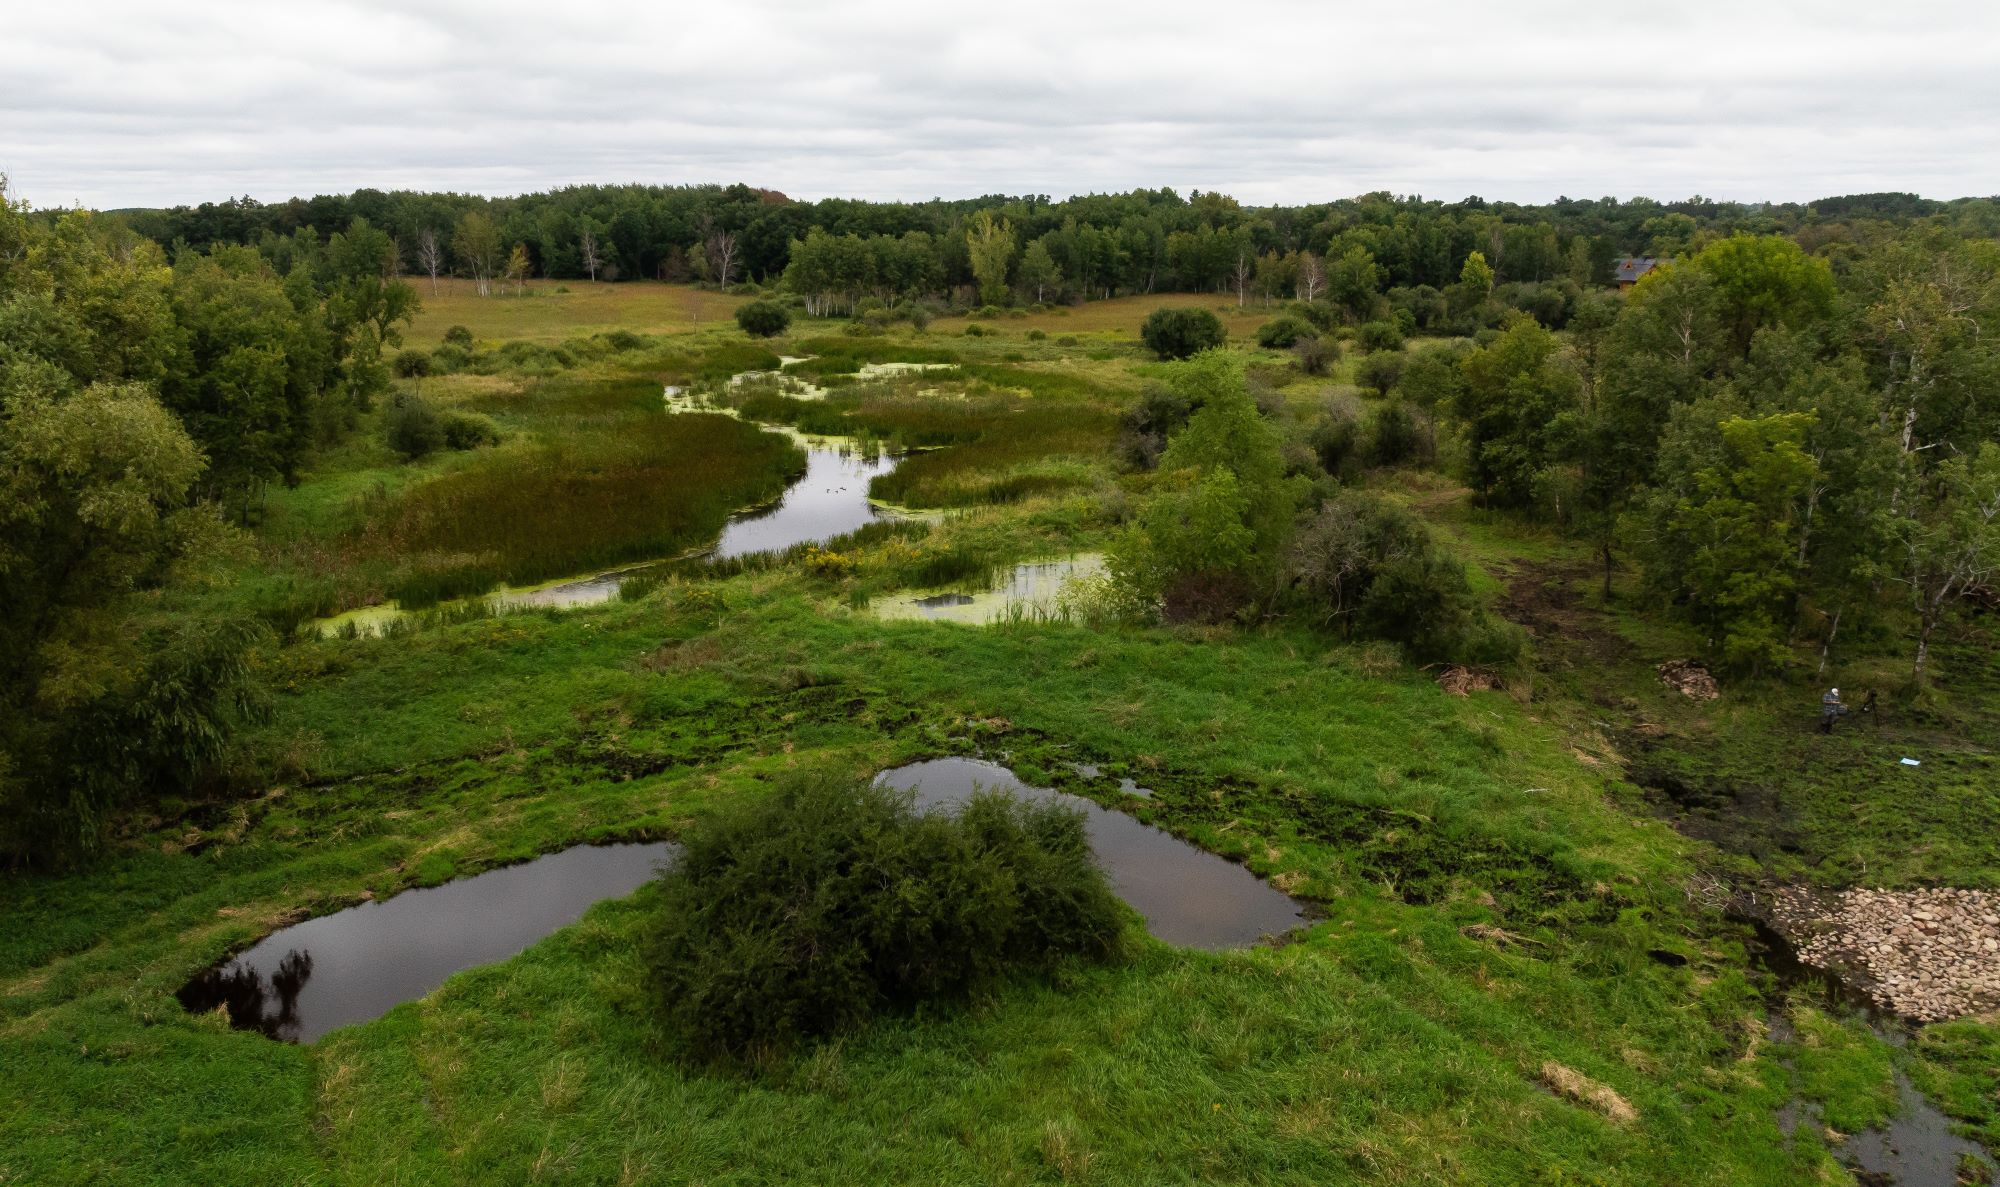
(1188,895)
(353,965)
(1030,589)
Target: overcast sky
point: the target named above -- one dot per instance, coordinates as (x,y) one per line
(127,104)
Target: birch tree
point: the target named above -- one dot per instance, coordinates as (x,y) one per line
(430,256)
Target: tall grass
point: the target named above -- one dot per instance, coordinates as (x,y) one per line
(658,485)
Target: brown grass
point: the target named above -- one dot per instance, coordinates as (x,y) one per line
(1568,1082)
(547,316)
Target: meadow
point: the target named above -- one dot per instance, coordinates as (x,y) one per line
(1521,970)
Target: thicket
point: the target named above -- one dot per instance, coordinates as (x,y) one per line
(806,912)
(1181,333)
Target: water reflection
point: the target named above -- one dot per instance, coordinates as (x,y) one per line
(1188,895)
(353,965)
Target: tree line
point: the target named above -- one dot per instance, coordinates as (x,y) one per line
(997,248)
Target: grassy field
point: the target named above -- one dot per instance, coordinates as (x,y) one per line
(1521,973)
(550,311)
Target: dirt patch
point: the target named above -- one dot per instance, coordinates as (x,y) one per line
(1738,817)
(1691,678)
(1545,600)
(1929,955)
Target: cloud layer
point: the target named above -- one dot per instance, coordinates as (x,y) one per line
(111,104)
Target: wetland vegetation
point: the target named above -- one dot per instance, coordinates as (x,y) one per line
(1333,650)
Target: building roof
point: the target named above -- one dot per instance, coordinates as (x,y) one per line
(1631,268)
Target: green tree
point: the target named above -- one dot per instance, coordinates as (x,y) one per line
(1517,406)
(1039,272)
(101,697)
(1726,539)
(1761,281)
(1952,545)
(476,243)
(992,246)
(1211,540)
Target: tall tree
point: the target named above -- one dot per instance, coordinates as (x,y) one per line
(477,245)
(430,256)
(1039,272)
(992,246)
(1952,545)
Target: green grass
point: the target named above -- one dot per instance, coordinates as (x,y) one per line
(1492,881)
(1390,1045)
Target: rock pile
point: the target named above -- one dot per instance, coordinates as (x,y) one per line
(1928,955)
(1690,677)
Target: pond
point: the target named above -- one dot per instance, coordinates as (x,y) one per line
(828,500)
(1031,589)
(354,965)
(1189,896)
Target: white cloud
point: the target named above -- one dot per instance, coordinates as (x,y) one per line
(114,104)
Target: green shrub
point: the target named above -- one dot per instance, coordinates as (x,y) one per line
(412,427)
(411,364)
(763,319)
(459,336)
(450,358)
(1281,333)
(1179,333)
(1319,313)
(623,340)
(465,430)
(1379,372)
(1395,438)
(1379,335)
(1037,335)
(1316,355)
(805,912)
(975,330)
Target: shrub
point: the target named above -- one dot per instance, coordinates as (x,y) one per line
(450,358)
(411,364)
(1316,355)
(1178,333)
(763,319)
(459,336)
(1379,335)
(975,330)
(1037,335)
(412,427)
(1396,437)
(1321,315)
(805,912)
(1379,372)
(1284,332)
(623,340)
(1066,339)
(464,430)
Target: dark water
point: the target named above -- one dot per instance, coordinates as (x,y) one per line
(353,965)
(1188,895)
(1917,1148)
(831,500)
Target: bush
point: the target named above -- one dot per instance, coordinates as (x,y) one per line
(805,912)
(623,340)
(459,336)
(450,358)
(1396,437)
(411,364)
(1379,335)
(763,319)
(1282,333)
(1037,335)
(1321,315)
(464,430)
(1315,355)
(412,427)
(1178,333)
(1379,372)
(975,330)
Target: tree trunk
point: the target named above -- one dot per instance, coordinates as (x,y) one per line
(1826,645)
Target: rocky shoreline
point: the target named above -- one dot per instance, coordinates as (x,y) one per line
(1926,955)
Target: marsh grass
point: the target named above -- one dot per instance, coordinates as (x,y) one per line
(659,485)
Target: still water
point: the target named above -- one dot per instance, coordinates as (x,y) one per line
(354,965)
(1188,895)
